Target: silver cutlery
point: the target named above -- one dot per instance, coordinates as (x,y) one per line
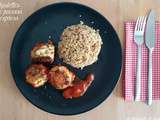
(139,40)
(150,43)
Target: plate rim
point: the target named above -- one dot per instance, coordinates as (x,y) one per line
(13,44)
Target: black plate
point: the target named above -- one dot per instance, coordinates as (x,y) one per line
(49,22)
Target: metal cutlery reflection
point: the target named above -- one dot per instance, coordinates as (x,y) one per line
(150,43)
(139,40)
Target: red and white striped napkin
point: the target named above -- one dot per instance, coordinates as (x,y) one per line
(131,62)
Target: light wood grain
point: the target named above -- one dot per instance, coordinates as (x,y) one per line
(13,106)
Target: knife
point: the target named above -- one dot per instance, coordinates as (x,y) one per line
(150,43)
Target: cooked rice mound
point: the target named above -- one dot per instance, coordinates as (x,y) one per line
(80,45)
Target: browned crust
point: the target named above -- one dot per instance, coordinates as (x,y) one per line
(40,67)
(41,59)
(41,70)
(53,82)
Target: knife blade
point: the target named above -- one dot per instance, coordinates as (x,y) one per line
(150,43)
(150,30)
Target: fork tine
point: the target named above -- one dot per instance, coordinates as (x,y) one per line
(144,23)
(141,23)
(137,23)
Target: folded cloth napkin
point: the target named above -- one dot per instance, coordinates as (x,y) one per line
(131,63)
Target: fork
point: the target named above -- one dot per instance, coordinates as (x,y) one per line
(139,40)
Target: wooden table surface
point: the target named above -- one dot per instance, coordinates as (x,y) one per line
(13,106)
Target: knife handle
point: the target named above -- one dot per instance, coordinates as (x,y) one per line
(150,78)
(138,75)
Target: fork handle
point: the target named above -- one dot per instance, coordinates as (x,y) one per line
(138,75)
(150,78)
